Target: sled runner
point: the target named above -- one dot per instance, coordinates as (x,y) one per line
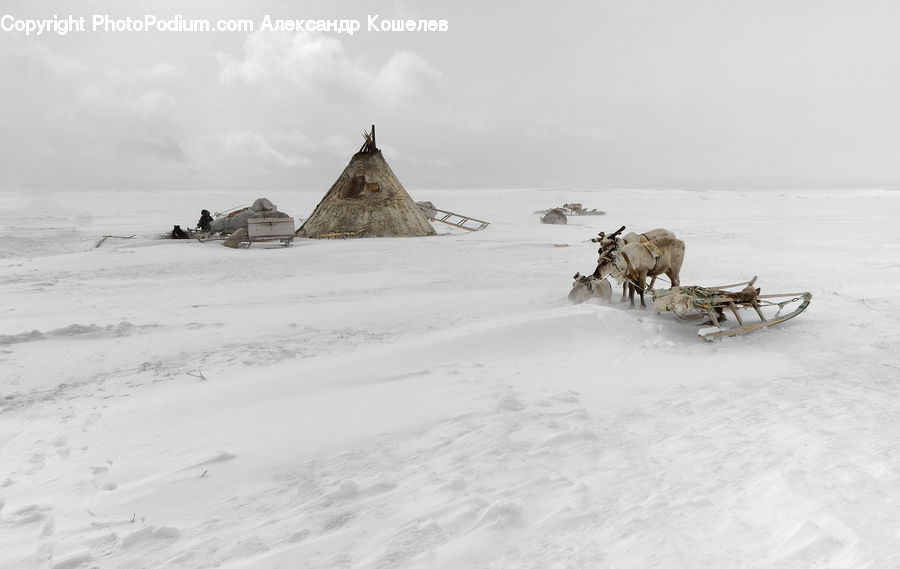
(450,218)
(696,302)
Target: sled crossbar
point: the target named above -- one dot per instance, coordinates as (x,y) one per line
(454,219)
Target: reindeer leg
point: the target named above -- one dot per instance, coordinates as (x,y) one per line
(624,291)
(642,279)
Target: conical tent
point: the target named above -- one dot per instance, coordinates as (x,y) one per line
(367,200)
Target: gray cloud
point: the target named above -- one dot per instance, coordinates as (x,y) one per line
(690,94)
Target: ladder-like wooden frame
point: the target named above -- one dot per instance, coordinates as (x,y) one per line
(454,219)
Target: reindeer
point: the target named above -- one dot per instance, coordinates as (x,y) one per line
(632,263)
(610,245)
(586,286)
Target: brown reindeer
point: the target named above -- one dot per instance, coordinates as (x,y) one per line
(634,262)
(610,245)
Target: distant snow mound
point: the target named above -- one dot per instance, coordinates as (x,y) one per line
(32,336)
(121,329)
(509,403)
(555,216)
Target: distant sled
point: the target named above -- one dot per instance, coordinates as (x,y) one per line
(696,303)
(448,217)
(105,237)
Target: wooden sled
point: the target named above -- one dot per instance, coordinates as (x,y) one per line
(342,234)
(105,237)
(695,302)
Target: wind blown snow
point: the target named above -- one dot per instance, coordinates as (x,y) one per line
(437,402)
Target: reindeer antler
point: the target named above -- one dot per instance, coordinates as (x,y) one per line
(602,236)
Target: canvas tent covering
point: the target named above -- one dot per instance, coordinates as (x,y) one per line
(367,200)
(262,207)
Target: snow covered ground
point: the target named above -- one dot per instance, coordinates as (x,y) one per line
(437,402)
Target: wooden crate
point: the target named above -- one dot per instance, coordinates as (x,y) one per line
(270,229)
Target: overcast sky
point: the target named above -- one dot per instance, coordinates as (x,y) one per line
(699,94)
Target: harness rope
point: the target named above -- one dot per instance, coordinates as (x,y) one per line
(647,243)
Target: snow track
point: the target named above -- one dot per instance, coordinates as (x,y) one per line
(437,403)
